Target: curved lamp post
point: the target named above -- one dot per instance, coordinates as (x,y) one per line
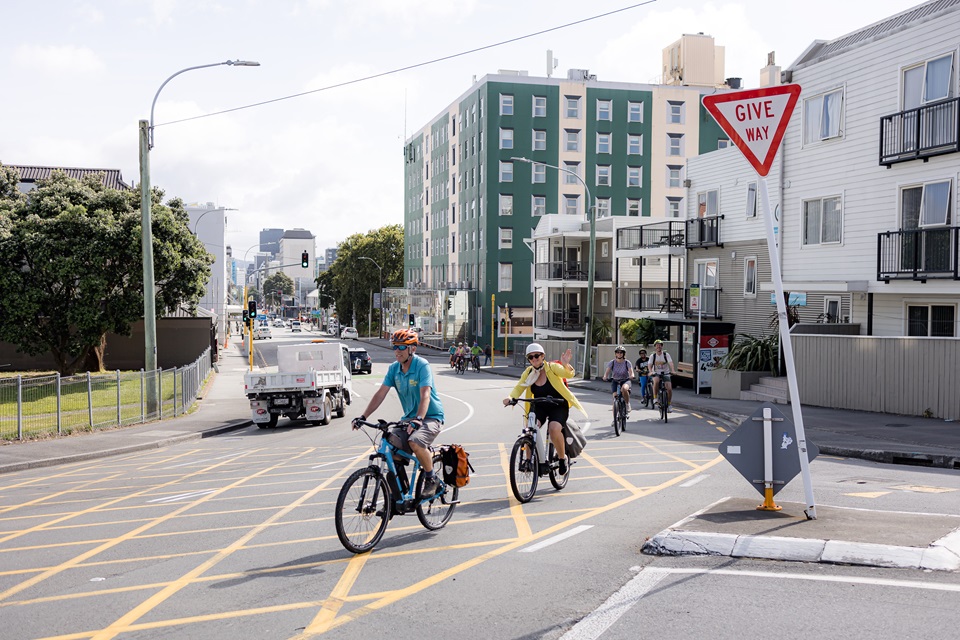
(196,225)
(380,305)
(149,292)
(591,269)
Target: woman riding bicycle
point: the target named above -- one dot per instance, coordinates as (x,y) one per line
(620,373)
(410,375)
(545,379)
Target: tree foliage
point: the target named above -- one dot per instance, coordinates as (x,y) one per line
(750,353)
(71,267)
(279,283)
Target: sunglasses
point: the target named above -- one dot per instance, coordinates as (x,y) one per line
(534,356)
(399,347)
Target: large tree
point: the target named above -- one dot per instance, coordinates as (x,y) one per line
(277,286)
(71,266)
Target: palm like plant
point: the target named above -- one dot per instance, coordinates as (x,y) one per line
(750,353)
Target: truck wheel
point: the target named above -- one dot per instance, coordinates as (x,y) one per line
(341,410)
(327,411)
(274,417)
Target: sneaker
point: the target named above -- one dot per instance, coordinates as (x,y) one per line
(563,466)
(669,409)
(430,486)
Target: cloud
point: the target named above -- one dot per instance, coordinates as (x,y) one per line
(65,60)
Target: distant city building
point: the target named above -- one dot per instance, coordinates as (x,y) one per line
(694,61)
(270,241)
(209,223)
(292,245)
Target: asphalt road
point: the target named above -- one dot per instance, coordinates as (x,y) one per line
(233,537)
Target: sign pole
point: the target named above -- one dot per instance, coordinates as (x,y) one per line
(787,346)
(768,503)
(493,326)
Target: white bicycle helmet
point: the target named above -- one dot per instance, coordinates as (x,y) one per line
(534,347)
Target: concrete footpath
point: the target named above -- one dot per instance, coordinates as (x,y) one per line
(730,528)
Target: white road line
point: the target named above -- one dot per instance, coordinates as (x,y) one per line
(601,618)
(204,460)
(557,538)
(465,420)
(879,582)
(327,464)
(695,479)
(183,496)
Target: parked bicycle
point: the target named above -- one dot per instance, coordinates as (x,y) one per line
(531,458)
(619,414)
(661,401)
(371,496)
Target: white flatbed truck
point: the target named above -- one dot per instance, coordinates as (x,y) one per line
(312,381)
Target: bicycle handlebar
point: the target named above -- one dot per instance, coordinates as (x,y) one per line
(547,400)
(381,424)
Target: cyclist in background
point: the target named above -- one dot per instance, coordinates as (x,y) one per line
(453,353)
(475,353)
(461,353)
(661,362)
(620,373)
(544,379)
(411,376)
(642,367)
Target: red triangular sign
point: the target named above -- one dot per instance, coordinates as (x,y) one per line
(755,120)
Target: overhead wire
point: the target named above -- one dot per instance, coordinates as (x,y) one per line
(409,67)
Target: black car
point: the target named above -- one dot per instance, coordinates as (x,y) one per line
(360,361)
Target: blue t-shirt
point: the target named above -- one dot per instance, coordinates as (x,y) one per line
(408,388)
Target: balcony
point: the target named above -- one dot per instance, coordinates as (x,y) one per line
(559,320)
(918,254)
(658,300)
(704,232)
(649,236)
(921,133)
(577,271)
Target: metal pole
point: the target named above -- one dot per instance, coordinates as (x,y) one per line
(493,326)
(59,407)
(149,292)
(787,345)
(19,407)
(89,400)
(119,416)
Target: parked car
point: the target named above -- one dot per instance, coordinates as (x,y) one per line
(360,360)
(261,332)
(278,323)
(349,333)
(295,326)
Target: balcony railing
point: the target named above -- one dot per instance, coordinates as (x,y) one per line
(704,232)
(575,271)
(918,254)
(559,320)
(661,300)
(923,132)
(661,234)
(709,304)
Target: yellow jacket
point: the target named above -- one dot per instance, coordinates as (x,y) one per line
(555,372)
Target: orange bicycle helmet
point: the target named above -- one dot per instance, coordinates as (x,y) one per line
(405,336)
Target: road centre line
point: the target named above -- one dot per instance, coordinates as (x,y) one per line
(694,480)
(557,538)
(465,420)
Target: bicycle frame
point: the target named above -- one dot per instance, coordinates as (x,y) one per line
(384,460)
(534,431)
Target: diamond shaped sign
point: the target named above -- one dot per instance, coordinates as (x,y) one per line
(744,449)
(755,120)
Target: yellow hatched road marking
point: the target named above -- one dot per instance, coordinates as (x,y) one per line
(516,509)
(334,602)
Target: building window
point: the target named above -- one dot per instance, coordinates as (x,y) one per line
(603,143)
(935,320)
(821,116)
(571,140)
(538,205)
(571,173)
(604,298)
(506,172)
(539,174)
(634,145)
(633,176)
(506,238)
(673,207)
(506,104)
(604,249)
(539,106)
(926,205)
(506,204)
(674,175)
(604,110)
(634,112)
(675,113)
(506,138)
(633,207)
(750,277)
(571,205)
(603,175)
(822,220)
(723,143)
(751,199)
(708,203)
(571,107)
(603,207)
(506,276)
(674,144)
(539,140)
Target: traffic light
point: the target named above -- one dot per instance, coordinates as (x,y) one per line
(305,260)
(412,320)
(449,304)
(252,310)
(510,311)
(246,317)
(503,324)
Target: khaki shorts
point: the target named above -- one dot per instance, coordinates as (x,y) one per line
(424,436)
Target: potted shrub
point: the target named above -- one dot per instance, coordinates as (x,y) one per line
(749,359)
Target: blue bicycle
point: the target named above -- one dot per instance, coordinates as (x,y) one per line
(373,495)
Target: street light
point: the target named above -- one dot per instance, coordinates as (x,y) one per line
(591,269)
(149,292)
(196,225)
(380,301)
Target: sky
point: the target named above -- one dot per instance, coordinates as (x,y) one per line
(78,75)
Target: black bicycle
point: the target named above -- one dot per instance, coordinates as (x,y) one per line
(647,393)
(662,401)
(373,495)
(461,365)
(475,361)
(619,412)
(526,467)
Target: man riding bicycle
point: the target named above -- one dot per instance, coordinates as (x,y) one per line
(662,363)
(642,368)
(620,373)
(475,353)
(411,376)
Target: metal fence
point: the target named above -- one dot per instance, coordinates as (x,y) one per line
(37,406)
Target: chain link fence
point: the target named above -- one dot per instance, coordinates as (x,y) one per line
(38,406)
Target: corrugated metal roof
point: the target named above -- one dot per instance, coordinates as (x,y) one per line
(111,177)
(824,48)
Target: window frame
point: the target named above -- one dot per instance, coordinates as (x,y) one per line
(671,139)
(634,141)
(608,108)
(577,110)
(535,209)
(506,199)
(804,240)
(506,104)
(635,111)
(568,178)
(929,319)
(639,177)
(808,137)
(609,142)
(538,170)
(603,206)
(676,112)
(754,187)
(569,199)
(506,171)
(505,238)
(603,172)
(539,142)
(536,99)
(506,138)
(575,140)
(638,208)
(747,292)
(706,201)
(505,276)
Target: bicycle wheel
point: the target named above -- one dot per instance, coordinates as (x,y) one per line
(556,479)
(618,417)
(436,513)
(663,404)
(523,469)
(363,508)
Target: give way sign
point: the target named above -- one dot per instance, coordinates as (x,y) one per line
(755,120)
